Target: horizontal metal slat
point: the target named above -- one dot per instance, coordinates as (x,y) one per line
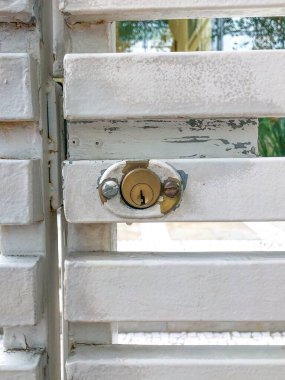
(167,9)
(161,85)
(16,10)
(21,365)
(176,138)
(174,287)
(20,291)
(170,363)
(250,189)
(20,192)
(18,90)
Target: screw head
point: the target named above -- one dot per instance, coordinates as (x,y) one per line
(172,188)
(110,188)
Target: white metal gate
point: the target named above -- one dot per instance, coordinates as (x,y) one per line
(126,112)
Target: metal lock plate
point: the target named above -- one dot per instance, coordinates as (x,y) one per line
(140,189)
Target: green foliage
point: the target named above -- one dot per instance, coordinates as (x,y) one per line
(132,32)
(271,137)
(264,32)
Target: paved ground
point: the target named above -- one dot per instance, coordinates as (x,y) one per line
(206,338)
(183,237)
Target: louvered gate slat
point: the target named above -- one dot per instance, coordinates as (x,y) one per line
(166,9)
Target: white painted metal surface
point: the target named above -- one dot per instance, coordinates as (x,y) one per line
(21,365)
(16,10)
(101,333)
(22,240)
(175,287)
(26,337)
(29,286)
(84,38)
(215,190)
(20,291)
(149,139)
(170,363)
(196,85)
(166,9)
(18,91)
(20,192)
(90,238)
(21,140)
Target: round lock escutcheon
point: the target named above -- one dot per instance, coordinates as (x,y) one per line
(141,188)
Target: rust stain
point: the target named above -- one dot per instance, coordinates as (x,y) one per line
(169,204)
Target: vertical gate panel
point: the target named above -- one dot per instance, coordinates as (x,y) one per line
(191,119)
(29,280)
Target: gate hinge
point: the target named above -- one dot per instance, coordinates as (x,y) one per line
(55,143)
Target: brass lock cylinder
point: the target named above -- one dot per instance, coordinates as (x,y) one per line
(141,188)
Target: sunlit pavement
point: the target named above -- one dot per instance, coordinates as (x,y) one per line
(183,237)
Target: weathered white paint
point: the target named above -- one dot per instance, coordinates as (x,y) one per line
(86,38)
(174,287)
(16,10)
(21,366)
(25,80)
(79,38)
(101,140)
(21,140)
(167,9)
(20,192)
(91,333)
(18,90)
(22,240)
(20,291)
(215,190)
(90,38)
(170,363)
(23,337)
(90,238)
(161,85)
(19,40)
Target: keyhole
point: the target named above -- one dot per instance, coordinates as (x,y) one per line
(142,198)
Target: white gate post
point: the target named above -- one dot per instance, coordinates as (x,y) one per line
(86,37)
(29,193)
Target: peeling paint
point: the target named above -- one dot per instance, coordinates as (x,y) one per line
(171,138)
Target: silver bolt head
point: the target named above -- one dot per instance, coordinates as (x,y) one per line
(110,189)
(172,188)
